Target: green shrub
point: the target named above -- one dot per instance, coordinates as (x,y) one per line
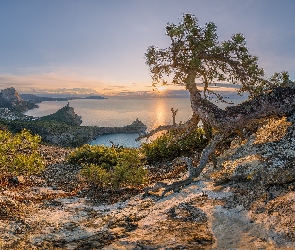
(157,150)
(19,153)
(96,175)
(111,167)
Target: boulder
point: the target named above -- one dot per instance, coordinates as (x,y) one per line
(266,157)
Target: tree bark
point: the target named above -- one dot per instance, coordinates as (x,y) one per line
(277,102)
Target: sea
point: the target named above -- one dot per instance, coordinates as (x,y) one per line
(119,111)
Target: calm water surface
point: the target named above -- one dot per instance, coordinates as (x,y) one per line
(114,112)
(119,112)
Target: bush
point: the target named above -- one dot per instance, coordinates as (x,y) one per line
(157,150)
(110,167)
(19,153)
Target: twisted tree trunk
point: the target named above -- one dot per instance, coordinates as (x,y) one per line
(277,102)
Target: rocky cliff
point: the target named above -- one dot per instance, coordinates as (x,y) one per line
(10,99)
(65,115)
(63,128)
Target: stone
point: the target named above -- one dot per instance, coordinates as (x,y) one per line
(266,157)
(13,181)
(10,99)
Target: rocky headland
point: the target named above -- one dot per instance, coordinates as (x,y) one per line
(245,201)
(65,135)
(61,128)
(10,99)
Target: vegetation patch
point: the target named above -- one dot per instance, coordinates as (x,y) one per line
(161,149)
(19,153)
(110,167)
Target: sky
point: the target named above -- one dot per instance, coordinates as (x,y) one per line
(98,46)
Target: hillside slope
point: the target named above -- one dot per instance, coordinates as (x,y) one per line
(247,201)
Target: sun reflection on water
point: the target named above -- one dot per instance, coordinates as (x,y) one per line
(160,113)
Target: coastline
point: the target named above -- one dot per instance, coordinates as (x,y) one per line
(62,128)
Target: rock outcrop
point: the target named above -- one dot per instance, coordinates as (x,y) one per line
(65,115)
(10,99)
(266,157)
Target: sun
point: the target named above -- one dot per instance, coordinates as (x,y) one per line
(162,88)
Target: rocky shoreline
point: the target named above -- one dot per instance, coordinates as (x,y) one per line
(63,127)
(75,136)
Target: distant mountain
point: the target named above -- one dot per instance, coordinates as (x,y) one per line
(38,99)
(93,97)
(10,99)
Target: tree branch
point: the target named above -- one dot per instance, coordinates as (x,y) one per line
(186,126)
(195,53)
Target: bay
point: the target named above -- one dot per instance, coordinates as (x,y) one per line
(117,112)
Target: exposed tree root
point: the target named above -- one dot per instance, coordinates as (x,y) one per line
(186,129)
(276,103)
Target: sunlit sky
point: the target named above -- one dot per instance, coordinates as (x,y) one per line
(98,46)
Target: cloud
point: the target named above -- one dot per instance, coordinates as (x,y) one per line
(57,82)
(81,83)
(68,91)
(46,81)
(118,87)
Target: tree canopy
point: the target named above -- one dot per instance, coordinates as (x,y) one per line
(195,54)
